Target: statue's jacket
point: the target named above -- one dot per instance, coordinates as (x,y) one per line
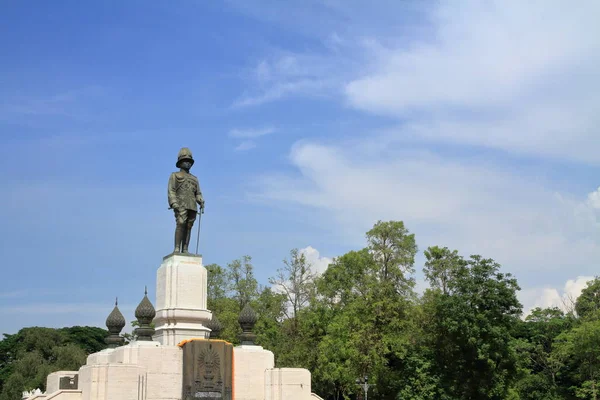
(184,189)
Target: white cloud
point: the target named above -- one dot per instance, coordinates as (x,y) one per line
(285,74)
(520,76)
(251,133)
(468,204)
(245,145)
(547,297)
(280,89)
(313,257)
(594,199)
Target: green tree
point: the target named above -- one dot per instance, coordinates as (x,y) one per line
(540,370)
(394,250)
(366,298)
(296,281)
(216,283)
(270,307)
(471,331)
(89,338)
(228,291)
(441,267)
(580,348)
(587,304)
(13,387)
(27,357)
(242,283)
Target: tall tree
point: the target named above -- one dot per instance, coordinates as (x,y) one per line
(441,267)
(367,296)
(394,249)
(296,281)
(472,331)
(243,286)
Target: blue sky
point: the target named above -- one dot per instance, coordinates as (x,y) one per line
(475,122)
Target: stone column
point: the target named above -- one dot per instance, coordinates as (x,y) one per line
(181,284)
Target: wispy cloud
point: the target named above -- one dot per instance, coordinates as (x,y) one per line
(251,133)
(513,75)
(245,145)
(286,74)
(471,205)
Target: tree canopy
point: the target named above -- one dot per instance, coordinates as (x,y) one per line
(464,337)
(28,356)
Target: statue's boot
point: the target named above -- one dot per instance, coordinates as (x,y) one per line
(186,243)
(179,231)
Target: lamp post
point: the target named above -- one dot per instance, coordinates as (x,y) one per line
(364,384)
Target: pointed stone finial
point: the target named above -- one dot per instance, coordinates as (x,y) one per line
(145,313)
(247,321)
(215,327)
(115,323)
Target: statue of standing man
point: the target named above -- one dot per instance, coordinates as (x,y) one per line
(184,194)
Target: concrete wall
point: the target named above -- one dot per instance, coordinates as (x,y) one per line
(287,384)
(65,395)
(140,371)
(250,364)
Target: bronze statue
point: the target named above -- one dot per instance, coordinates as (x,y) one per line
(184,193)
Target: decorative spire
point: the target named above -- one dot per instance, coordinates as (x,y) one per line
(115,323)
(145,313)
(247,321)
(215,327)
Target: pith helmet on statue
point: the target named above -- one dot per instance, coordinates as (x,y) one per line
(184,154)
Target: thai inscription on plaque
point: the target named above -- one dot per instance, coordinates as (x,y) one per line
(207,370)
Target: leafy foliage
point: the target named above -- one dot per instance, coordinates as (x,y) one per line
(27,357)
(463,338)
(588,303)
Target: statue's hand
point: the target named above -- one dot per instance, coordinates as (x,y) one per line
(201,204)
(175,206)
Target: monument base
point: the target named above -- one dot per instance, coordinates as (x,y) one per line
(181,300)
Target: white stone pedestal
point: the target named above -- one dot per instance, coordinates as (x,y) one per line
(181,300)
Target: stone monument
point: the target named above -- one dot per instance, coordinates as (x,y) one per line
(180,358)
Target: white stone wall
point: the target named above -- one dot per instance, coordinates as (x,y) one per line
(111,382)
(287,384)
(139,371)
(250,364)
(65,395)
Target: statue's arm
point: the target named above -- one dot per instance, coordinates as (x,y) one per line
(172,194)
